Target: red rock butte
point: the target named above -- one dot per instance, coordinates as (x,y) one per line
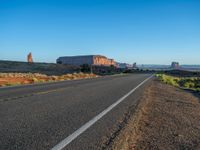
(29,58)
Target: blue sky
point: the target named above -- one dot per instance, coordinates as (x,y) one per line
(142,31)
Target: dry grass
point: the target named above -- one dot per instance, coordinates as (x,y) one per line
(9,79)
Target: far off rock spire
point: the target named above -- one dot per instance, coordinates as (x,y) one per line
(29,58)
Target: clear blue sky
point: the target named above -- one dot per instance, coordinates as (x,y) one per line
(142,31)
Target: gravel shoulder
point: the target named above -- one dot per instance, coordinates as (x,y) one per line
(167,118)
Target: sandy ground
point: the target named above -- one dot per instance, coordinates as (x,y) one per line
(167,118)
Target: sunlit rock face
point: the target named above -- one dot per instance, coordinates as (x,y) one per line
(102,60)
(30,58)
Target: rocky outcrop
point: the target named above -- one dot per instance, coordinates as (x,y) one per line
(102,60)
(29,58)
(175,65)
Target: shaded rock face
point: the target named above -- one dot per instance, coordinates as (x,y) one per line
(29,58)
(175,65)
(135,65)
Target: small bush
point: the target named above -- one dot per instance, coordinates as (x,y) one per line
(168,79)
(34,79)
(197,83)
(198,90)
(187,82)
(85,68)
(190,83)
(12,84)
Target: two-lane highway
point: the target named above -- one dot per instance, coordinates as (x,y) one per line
(71,114)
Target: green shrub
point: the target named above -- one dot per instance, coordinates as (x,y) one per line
(190,83)
(198,90)
(85,68)
(197,83)
(187,82)
(12,84)
(168,79)
(35,79)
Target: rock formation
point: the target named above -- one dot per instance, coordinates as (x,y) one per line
(135,65)
(97,60)
(30,58)
(175,65)
(102,60)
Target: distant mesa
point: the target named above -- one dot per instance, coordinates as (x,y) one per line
(96,60)
(135,65)
(175,65)
(29,58)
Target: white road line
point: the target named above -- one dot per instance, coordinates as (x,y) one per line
(82,129)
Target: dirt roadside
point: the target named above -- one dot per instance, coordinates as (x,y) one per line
(167,118)
(11,79)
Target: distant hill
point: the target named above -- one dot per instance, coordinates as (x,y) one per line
(191,67)
(168,67)
(152,66)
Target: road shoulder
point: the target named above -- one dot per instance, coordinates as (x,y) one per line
(166,118)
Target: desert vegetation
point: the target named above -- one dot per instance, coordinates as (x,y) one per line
(10,79)
(192,83)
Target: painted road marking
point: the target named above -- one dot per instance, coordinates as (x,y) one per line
(50,91)
(83,128)
(32,94)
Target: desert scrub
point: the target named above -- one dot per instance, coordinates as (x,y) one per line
(12,84)
(192,83)
(168,79)
(187,82)
(35,80)
(38,80)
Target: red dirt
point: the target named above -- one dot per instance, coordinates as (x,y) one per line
(11,80)
(7,79)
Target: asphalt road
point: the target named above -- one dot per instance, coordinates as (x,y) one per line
(41,116)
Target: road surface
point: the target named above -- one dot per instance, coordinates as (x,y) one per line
(82,114)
